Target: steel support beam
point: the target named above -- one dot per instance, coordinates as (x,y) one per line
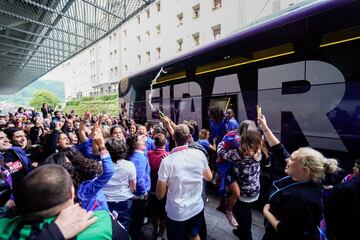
(40,67)
(24,54)
(42,24)
(38,35)
(102,9)
(64,15)
(33,59)
(19,65)
(33,43)
(29,49)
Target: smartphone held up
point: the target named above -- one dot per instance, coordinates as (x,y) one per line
(258,111)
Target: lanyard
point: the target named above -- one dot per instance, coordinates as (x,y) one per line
(287,186)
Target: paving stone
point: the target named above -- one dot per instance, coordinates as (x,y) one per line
(218,226)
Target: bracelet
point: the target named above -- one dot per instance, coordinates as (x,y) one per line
(265,130)
(102,149)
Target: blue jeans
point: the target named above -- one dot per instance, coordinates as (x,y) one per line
(123,209)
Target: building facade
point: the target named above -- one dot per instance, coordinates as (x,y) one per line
(159,32)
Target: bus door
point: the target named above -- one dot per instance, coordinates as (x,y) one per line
(224,103)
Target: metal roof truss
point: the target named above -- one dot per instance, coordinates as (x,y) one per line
(38,35)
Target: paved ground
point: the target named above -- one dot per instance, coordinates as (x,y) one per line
(219,228)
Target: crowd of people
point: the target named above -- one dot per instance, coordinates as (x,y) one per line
(98,176)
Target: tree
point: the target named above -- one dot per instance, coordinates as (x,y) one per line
(44,96)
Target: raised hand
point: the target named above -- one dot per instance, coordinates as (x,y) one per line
(262,122)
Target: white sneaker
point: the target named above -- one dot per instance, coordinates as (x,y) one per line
(230,217)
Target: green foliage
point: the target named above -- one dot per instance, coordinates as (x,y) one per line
(73,103)
(108,104)
(44,96)
(87,99)
(108,97)
(23,97)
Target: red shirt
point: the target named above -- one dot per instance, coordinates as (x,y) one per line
(155,156)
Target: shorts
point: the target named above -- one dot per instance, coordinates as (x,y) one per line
(179,230)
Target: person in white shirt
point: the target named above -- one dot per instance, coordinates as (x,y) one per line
(181,174)
(119,190)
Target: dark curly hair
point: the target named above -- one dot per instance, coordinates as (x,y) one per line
(80,168)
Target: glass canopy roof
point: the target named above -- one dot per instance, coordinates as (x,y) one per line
(38,35)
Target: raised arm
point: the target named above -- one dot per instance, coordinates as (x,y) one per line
(108,168)
(270,137)
(52,141)
(169,125)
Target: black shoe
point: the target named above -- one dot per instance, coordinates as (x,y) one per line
(221,209)
(235,232)
(222,206)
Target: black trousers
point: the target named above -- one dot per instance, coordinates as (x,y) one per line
(242,212)
(137,218)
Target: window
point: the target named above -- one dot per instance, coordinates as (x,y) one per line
(216,4)
(139,59)
(138,19)
(179,44)
(216,31)
(196,11)
(111,71)
(158,52)
(125,67)
(125,49)
(116,70)
(115,52)
(196,38)
(148,13)
(276,5)
(148,56)
(158,6)
(180,17)
(158,29)
(138,38)
(148,34)
(110,55)
(124,33)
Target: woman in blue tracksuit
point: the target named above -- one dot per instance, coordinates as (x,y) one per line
(136,155)
(88,176)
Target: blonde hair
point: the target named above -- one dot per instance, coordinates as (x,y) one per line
(316,162)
